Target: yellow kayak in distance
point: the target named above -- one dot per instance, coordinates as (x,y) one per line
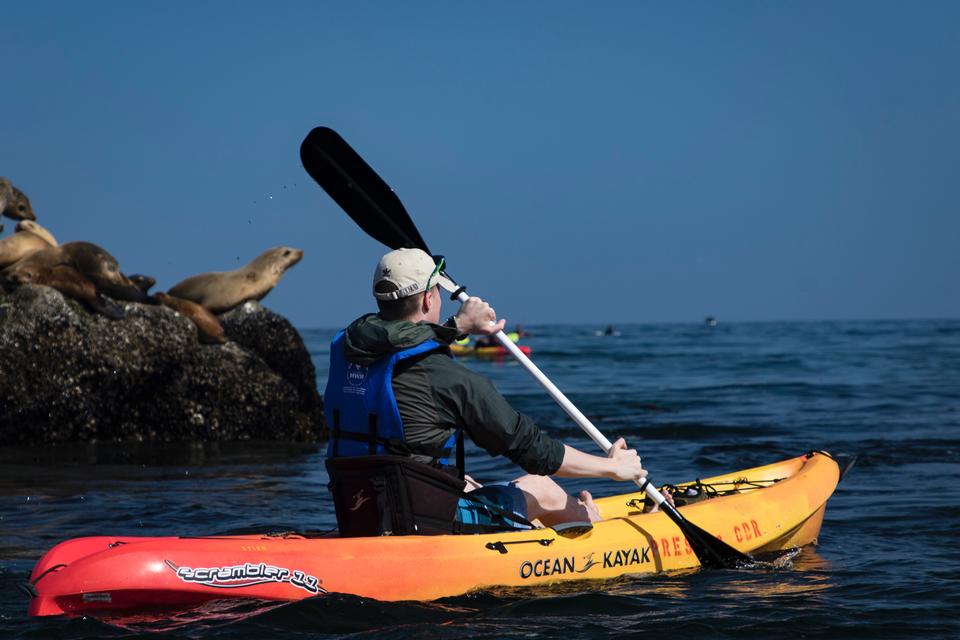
(493,352)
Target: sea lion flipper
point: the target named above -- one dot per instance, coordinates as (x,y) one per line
(105,306)
(33,227)
(143,283)
(124,289)
(209,329)
(19,246)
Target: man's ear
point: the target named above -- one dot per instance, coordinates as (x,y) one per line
(426,303)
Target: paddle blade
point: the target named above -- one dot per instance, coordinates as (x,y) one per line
(359,191)
(712,552)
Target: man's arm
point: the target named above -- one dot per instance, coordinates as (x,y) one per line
(466,398)
(477,317)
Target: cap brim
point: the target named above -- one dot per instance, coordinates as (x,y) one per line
(446,282)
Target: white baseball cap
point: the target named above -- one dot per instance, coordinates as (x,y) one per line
(409,271)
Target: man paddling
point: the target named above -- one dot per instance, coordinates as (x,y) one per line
(394,388)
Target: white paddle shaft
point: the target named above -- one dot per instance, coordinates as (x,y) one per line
(563,401)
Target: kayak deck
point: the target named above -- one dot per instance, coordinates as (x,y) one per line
(769,508)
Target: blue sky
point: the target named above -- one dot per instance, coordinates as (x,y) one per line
(576,162)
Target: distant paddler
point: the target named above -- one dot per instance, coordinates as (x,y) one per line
(609,331)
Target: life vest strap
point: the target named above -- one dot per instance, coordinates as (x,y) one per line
(393,445)
(372,440)
(335,440)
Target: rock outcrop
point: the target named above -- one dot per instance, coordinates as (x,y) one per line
(68,375)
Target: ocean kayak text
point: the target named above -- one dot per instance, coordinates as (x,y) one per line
(568,564)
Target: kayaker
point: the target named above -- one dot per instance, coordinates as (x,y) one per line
(520,333)
(436,397)
(486,341)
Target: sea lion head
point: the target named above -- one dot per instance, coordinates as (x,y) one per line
(19,207)
(90,259)
(102,269)
(279,259)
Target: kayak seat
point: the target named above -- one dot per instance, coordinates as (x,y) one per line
(384,495)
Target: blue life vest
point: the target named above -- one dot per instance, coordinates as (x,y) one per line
(361,409)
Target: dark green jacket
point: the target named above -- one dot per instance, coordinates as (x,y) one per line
(435,395)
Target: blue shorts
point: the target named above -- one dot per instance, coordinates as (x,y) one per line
(503,496)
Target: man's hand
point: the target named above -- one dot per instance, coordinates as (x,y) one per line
(626,463)
(478,318)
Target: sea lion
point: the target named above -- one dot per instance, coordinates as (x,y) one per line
(221,291)
(17,246)
(14,203)
(209,329)
(92,261)
(33,227)
(70,283)
(142,282)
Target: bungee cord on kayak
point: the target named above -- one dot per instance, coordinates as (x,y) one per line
(696,491)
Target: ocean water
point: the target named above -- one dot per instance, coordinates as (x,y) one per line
(694,400)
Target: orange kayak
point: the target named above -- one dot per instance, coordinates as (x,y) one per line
(764,509)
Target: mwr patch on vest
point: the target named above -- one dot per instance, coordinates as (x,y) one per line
(356,379)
